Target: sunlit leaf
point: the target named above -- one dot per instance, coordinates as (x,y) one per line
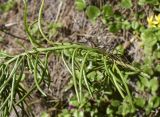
(80,4)
(92,12)
(126,4)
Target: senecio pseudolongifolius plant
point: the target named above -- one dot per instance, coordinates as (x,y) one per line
(76,58)
(153,21)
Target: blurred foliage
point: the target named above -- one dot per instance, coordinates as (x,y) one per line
(6,6)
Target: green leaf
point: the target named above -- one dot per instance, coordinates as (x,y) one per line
(158,68)
(143,2)
(148,108)
(53,29)
(5,7)
(92,12)
(115,103)
(92,76)
(144,81)
(149,37)
(126,4)
(124,109)
(107,11)
(147,66)
(74,102)
(154,85)
(158,53)
(158,34)
(119,50)
(135,25)
(78,113)
(115,27)
(140,102)
(99,75)
(126,25)
(109,111)
(65,113)
(34,29)
(140,86)
(95,75)
(44,114)
(80,4)
(156,102)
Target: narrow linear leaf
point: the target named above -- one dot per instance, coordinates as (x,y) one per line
(36,76)
(74,76)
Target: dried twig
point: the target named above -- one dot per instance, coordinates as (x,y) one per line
(4,28)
